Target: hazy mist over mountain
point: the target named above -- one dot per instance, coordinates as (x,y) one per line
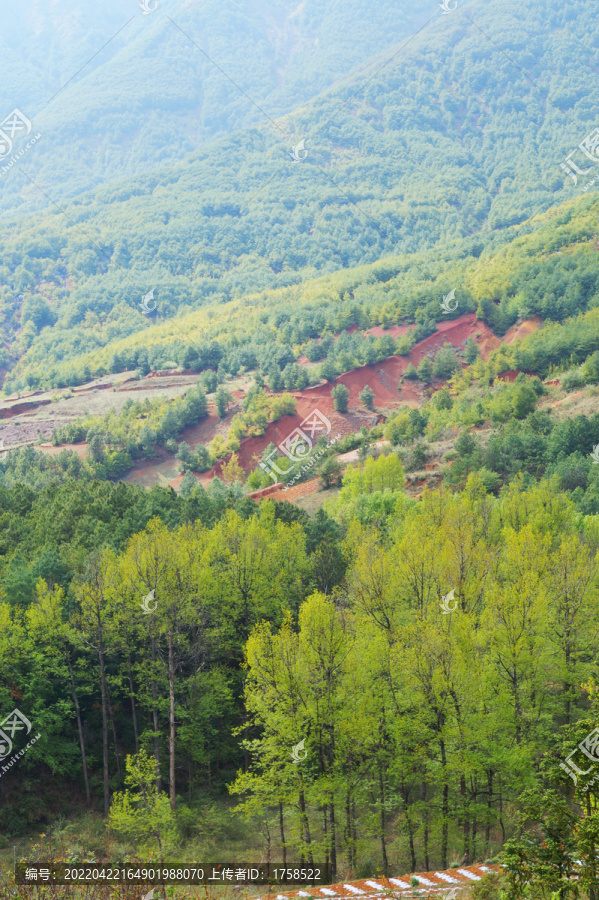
(116,92)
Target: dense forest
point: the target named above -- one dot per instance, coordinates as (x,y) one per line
(239,218)
(550,269)
(268,627)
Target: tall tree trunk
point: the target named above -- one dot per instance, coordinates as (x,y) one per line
(325,832)
(104,730)
(410,825)
(171,742)
(333,843)
(282,830)
(489,809)
(348,831)
(155,718)
(474,819)
(80,730)
(305,825)
(351,850)
(592,856)
(383,820)
(333,830)
(465,819)
(445,827)
(133,710)
(354,831)
(444,810)
(111,714)
(425,825)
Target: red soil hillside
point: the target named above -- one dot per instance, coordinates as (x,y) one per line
(457,332)
(278,431)
(204,431)
(394,330)
(51,450)
(298,490)
(383,378)
(508,376)
(522,330)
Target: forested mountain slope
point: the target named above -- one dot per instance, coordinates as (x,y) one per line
(143,90)
(549,268)
(449,142)
(406,307)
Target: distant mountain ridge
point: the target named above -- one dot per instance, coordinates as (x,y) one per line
(445,144)
(145,90)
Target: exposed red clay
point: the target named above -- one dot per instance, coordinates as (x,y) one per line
(51,450)
(383,378)
(456,332)
(7,412)
(394,330)
(522,330)
(508,376)
(298,490)
(266,492)
(430,884)
(511,375)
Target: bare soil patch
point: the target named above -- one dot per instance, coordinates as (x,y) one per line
(522,329)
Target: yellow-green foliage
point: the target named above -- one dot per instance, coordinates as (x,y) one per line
(162,417)
(383,474)
(261,409)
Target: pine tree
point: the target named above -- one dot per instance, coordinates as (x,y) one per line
(425,370)
(367,397)
(340,395)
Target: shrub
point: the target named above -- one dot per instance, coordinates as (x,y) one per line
(340,395)
(222,400)
(330,472)
(367,397)
(425,370)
